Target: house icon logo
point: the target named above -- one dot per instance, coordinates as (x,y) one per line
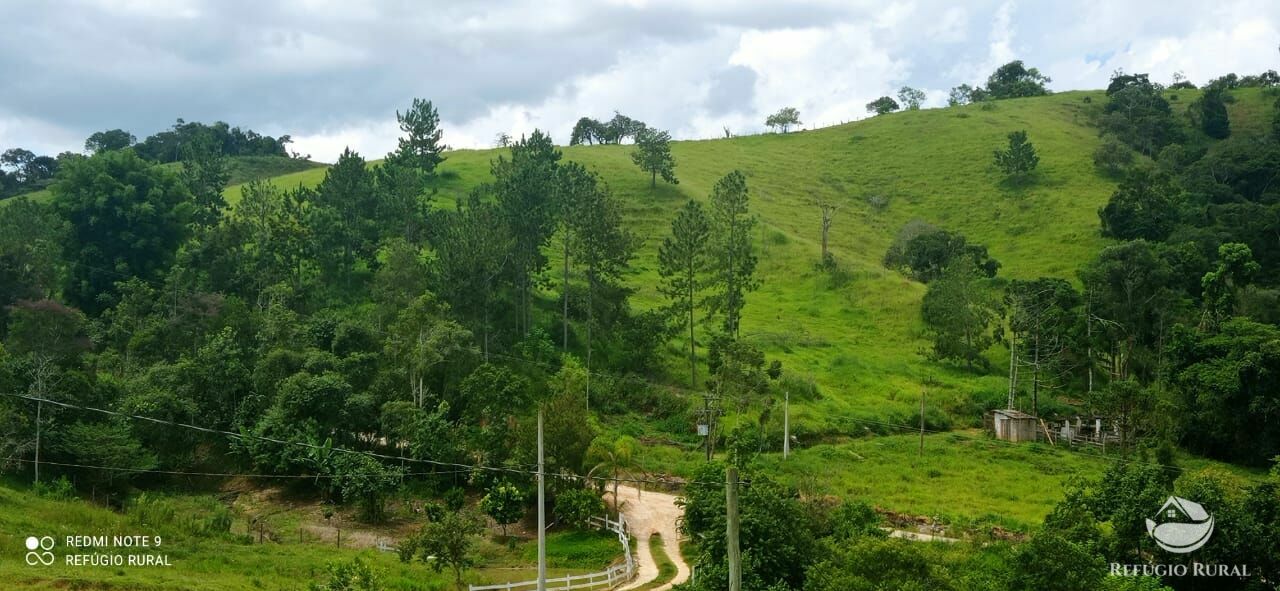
(1182,526)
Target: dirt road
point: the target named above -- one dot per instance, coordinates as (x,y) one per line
(648,513)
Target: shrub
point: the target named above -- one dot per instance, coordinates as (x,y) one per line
(455,498)
(1112,156)
(576,507)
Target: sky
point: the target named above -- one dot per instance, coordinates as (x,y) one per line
(333,74)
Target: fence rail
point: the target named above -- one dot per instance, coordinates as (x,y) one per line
(606,579)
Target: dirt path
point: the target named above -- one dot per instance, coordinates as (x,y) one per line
(649,512)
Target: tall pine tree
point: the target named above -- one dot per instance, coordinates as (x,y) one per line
(683,263)
(734,259)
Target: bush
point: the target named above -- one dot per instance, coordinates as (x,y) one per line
(576,507)
(151,510)
(57,490)
(455,498)
(350,576)
(1112,156)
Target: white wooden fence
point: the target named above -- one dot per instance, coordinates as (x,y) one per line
(605,579)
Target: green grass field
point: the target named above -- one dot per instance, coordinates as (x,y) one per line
(232,561)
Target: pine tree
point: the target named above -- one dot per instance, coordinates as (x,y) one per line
(735,263)
(421,148)
(683,262)
(1020,159)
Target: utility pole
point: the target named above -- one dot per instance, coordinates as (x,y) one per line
(922,424)
(39,408)
(731,535)
(542,512)
(786,424)
(708,414)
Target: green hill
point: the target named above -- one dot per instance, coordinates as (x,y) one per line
(241,168)
(861,340)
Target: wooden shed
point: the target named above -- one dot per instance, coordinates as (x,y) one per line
(1014,425)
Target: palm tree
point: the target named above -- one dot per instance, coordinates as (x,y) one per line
(613,458)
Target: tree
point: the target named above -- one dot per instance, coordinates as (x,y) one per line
(963,95)
(1211,112)
(1112,156)
(1143,206)
(783,119)
(1041,315)
(733,256)
(911,98)
(1020,158)
(1127,287)
(420,148)
(504,503)
(577,506)
(1014,80)
(473,247)
(683,262)
(524,187)
(958,310)
(603,247)
(776,546)
(401,201)
(882,106)
(447,543)
(587,131)
(205,172)
(367,482)
(127,219)
(653,155)
(620,128)
(1221,286)
(342,219)
(423,339)
(926,252)
(612,457)
(112,139)
(1138,114)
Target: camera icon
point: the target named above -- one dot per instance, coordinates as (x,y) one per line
(39,551)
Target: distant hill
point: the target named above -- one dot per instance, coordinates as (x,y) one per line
(243,169)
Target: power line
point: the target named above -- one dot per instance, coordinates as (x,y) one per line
(546,365)
(460,467)
(215,474)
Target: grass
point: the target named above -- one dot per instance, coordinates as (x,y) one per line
(964,479)
(666,568)
(232,561)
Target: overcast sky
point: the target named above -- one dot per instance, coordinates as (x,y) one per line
(333,73)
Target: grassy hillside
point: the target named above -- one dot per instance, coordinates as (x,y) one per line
(860,339)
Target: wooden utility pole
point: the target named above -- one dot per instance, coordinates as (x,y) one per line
(786,424)
(731,534)
(542,513)
(922,392)
(39,408)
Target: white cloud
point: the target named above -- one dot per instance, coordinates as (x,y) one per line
(332,73)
